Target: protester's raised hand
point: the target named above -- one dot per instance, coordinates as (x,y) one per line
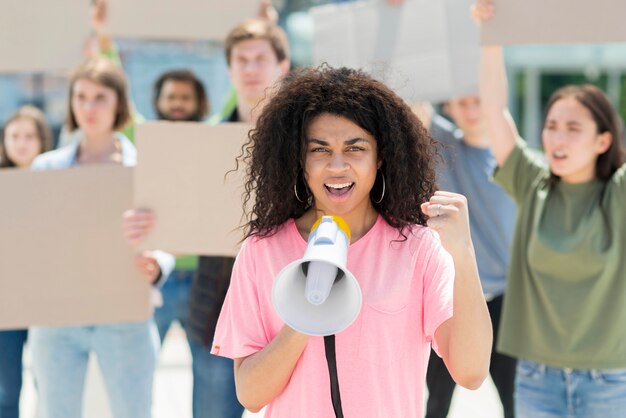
(136,224)
(98,15)
(482,10)
(448,215)
(267,11)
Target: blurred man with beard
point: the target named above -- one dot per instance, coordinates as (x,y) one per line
(257,53)
(180,96)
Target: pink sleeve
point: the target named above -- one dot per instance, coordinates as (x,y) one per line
(240,332)
(438,289)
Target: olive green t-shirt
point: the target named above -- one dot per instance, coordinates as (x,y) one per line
(566,297)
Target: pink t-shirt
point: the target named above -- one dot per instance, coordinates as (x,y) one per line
(382,357)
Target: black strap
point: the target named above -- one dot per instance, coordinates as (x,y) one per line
(329,346)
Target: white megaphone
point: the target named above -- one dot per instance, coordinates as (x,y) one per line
(317,295)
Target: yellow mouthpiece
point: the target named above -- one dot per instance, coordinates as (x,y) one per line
(341,223)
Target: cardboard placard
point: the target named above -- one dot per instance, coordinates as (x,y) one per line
(425,50)
(42,35)
(177,19)
(64,258)
(555,21)
(181,176)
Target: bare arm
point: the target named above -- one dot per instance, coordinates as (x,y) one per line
(494,98)
(98,23)
(465,339)
(262,376)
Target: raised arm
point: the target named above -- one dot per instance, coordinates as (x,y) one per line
(465,339)
(262,376)
(103,44)
(494,98)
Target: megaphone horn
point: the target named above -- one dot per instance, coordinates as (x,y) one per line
(317,295)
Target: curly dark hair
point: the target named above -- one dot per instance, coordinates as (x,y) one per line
(276,149)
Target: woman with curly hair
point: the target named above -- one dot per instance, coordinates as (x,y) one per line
(337,142)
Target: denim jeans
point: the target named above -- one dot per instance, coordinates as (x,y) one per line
(548,392)
(501,368)
(214,394)
(11,348)
(175,293)
(126,355)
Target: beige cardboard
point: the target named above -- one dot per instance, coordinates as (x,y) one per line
(64,259)
(177,19)
(423,49)
(180,176)
(42,35)
(555,21)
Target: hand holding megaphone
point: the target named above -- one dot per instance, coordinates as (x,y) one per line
(317,295)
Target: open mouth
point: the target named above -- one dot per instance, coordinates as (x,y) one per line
(559,155)
(339,189)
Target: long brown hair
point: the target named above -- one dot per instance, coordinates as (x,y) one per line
(606,119)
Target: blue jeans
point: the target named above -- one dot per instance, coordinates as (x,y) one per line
(214,394)
(175,293)
(548,392)
(126,354)
(11,348)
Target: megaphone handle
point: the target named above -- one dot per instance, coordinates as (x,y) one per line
(331,359)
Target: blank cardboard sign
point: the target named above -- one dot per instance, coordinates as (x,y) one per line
(177,19)
(64,259)
(42,35)
(555,21)
(423,49)
(181,176)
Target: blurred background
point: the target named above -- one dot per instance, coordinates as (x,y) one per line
(534,71)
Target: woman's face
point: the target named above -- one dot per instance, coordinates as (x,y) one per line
(340,167)
(571,141)
(94,107)
(21,142)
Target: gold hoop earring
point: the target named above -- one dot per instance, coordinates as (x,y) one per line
(295,191)
(382,195)
(308,199)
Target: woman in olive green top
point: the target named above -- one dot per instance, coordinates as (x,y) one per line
(564,315)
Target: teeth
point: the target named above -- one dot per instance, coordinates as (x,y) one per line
(559,154)
(338,186)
